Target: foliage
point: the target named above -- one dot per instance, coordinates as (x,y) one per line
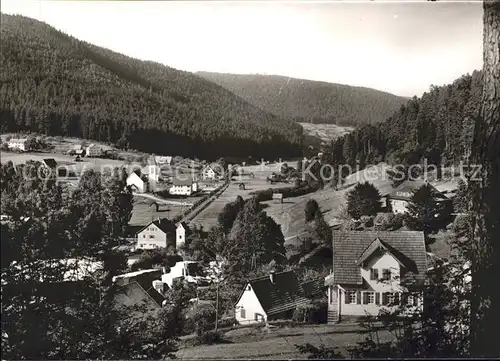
(229,213)
(313,312)
(210,338)
(309,101)
(363,200)
(319,353)
(437,126)
(388,221)
(461,199)
(424,212)
(129,103)
(161,257)
(310,210)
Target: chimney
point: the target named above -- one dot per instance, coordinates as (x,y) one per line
(271,277)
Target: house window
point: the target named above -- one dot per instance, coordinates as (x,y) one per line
(386,274)
(258,317)
(350,297)
(242,313)
(143,236)
(369,298)
(249,288)
(151,236)
(374,274)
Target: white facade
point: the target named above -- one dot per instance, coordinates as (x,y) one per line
(151,237)
(399,206)
(248,309)
(18,144)
(180,236)
(138,184)
(93,150)
(184,189)
(208,173)
(382,276)
(181,270)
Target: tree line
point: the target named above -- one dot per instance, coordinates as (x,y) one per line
(54,84)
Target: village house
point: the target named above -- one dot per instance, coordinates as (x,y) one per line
(275,296)
(138,181)
(190,271)
(141,287)
(181,233)
(375,272)
(183,187)
(93,150)
(77,150)
(277,197)
(157,234)
(153,170)
(212,172)
(163,160)
(398,200)
(21,144)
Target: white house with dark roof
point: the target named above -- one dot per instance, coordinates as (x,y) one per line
(21,144)
(183,186)
(138,181)
(275,296)
(181,232)
(374,272)
(93,150)
(212,172)
(157,234)
(397,200)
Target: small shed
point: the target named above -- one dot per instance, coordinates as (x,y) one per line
(278,197)
(242,186)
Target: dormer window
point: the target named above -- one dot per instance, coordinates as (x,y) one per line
(373,274)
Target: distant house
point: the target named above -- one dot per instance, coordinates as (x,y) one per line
(212,172)
(275,296)
(181,232)
(183,187)
(163,160)
(77,150)
(138,181)
(21,144)
(93,150)
(153,170)
(397,201)
(190,271)
(278,197)
(157,234)
(374,272)
(242,186)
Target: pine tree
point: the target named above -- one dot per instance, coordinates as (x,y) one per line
(363,200)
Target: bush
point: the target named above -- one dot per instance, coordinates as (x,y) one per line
(388,221)
(367,221)
(314,312)
(210,338)
(199,320)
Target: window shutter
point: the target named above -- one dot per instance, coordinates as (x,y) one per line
(396,298)
(384,298)
(365,298)
(346,297)
(243,313)
(358,297)
(404,298)
(377,298)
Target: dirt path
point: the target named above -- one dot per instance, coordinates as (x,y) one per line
(162,200)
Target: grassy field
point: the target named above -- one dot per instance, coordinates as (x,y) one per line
(144,212)
(278,343)
(325,132)
(208,217)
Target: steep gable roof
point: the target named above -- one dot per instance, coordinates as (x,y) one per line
(133,294)
(284,293)
(349,247)
(164,224)
(50,162)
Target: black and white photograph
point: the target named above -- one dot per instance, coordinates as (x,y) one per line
(259,179)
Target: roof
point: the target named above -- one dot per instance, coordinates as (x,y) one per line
(277,195)
(92,145)
(216,168)
(284,294)
(17,140)
(50,162)
(406,189)
(183,182)
(164,224)
(136,273)
(141,175)
(77,147)
(133,294)
(349,247)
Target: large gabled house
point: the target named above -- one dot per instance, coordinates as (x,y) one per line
(275,296)
(374,272)
(397,201)
(158,234)
(184,186)
(138,181)
(212,172)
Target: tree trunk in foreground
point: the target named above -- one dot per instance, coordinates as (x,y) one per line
(485,198)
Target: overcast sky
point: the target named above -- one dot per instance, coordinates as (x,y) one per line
(397,47)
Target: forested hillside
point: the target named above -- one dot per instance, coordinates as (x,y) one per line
(54,84)
(311,101)
(438,126)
